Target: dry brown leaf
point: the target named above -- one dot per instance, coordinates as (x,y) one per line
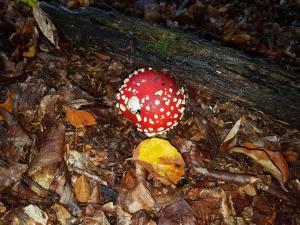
(273,162)
(238,38)
(82,189)
(179,212)
(62,214)
(62,187)
(79,118)
(52,148)
(230,139)
(8,104)
(137,199)
(45,24)
(160,159)
(11,174)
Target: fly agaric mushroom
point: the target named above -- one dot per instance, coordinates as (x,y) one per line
(152,101)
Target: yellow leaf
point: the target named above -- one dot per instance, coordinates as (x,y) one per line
(160,159)
(79,118)
(31,3)
(8,104)
(82,189)
(31,52)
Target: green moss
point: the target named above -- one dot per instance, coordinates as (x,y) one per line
(153,37)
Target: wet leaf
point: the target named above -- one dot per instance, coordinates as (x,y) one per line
(160,159)
(273,162)
(79,118)
(82,189)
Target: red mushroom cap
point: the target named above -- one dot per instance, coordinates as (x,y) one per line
(152,101)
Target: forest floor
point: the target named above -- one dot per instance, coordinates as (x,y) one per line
(66,151)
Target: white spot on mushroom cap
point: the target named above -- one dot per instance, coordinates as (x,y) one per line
(159,93)
(160,129)
(174,99)
(145,119)
(169,123)
(122,107)
(138,117)
(161,109)
(147,108)
(155,116)
(156,102)
(150,128)
(134,104)
(168,113)
(151,121)
(175,115)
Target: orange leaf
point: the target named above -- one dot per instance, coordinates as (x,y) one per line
(160,159)
(79,118)
(82,189)
(8,104)
(273,162)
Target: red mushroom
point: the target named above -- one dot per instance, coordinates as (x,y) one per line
(152,101)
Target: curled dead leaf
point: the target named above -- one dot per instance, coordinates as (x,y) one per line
(160,159)
(273,162)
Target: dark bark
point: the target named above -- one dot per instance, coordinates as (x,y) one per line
(227,73)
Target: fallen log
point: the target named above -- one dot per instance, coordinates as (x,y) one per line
(226,73)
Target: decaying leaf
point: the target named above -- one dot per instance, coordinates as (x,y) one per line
(273,162)
(11,174)
(38,216)
(82,189)
(95,215)
(13,139)
(51,149)
(160,159)
(62,187)
(137,199)
(45,25)
(179,212)
(230,139)
(8,104)
(79,118)
(62,213)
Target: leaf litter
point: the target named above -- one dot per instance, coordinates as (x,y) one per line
(231,161)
